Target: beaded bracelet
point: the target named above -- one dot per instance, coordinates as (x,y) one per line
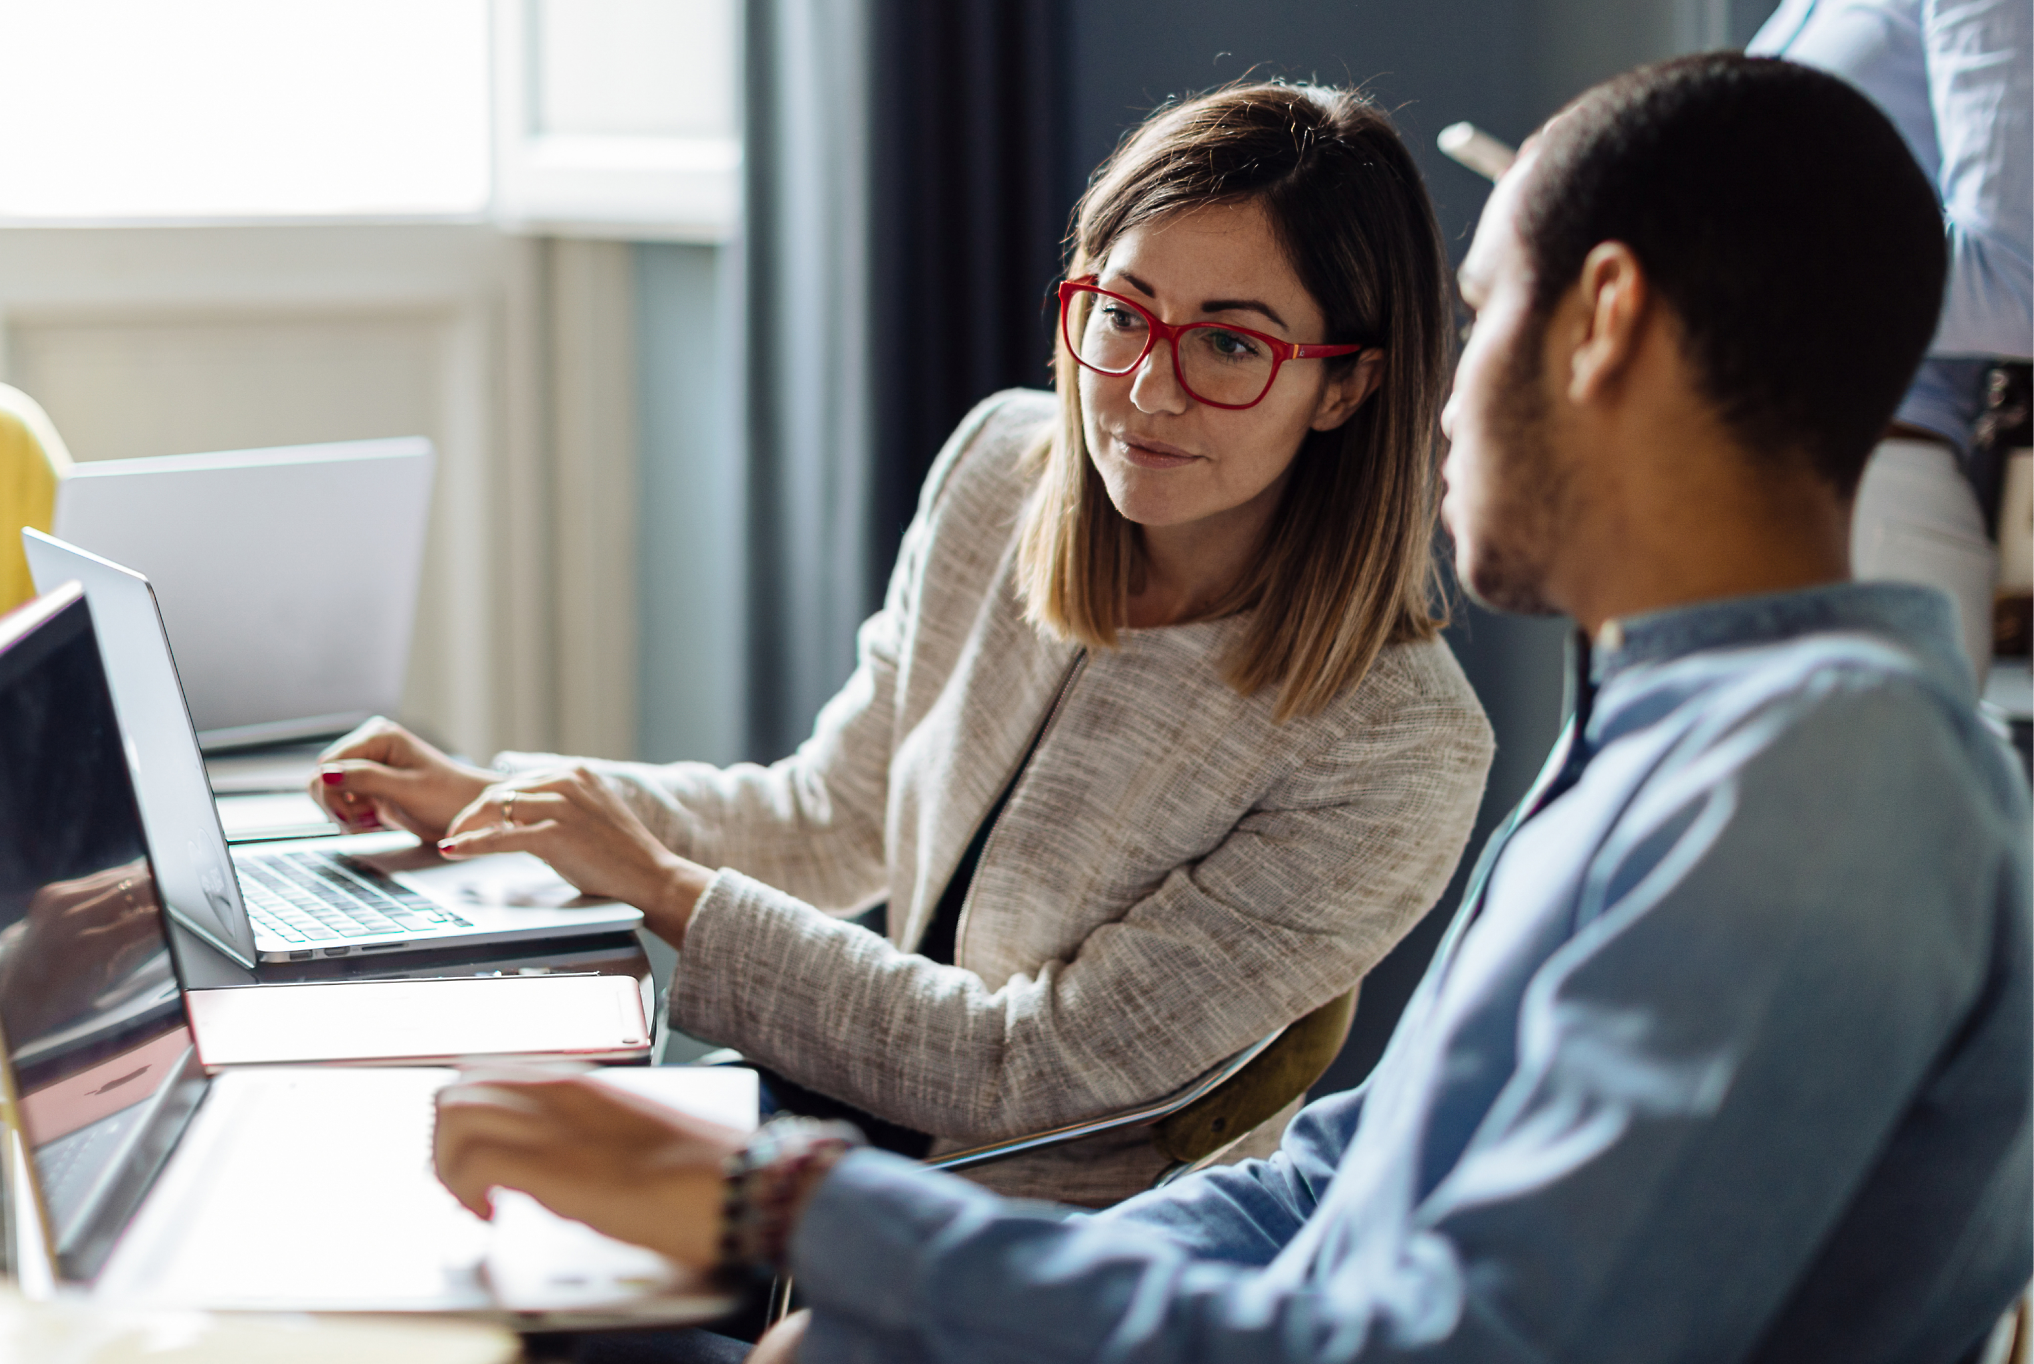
(767,1184)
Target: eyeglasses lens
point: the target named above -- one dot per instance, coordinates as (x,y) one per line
(1216,364)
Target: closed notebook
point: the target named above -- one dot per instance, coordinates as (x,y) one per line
(420,1022)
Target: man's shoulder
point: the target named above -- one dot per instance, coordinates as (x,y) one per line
(1837,751)
(1822,680)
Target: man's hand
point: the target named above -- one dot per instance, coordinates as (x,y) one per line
(381,774)
(627,1168)
(574,822)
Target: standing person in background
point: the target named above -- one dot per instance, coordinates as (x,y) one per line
(1153,748)
(1957,79)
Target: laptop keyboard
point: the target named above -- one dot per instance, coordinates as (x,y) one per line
(68,1167)
(310,897)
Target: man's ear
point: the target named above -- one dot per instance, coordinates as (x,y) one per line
(1615,304)
(1344,393)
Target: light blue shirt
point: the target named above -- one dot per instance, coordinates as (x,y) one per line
(1957,78)
(1728,1058)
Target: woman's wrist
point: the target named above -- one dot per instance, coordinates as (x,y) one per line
(669,912)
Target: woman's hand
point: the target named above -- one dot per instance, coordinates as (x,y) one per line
(381,774)
(573,821)
(77,940)
(625,1167)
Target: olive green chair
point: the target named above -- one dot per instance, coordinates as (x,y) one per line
(1196,1123)
(1192,1126)
(33,461)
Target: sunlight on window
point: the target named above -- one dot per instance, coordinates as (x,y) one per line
(635,68)
(224,109)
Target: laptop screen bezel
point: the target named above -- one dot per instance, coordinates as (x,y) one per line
(50,622)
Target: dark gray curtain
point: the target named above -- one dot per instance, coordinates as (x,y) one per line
(971,120)
(805,261)
(906,194)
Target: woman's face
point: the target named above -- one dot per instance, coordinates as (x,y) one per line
(1167,459)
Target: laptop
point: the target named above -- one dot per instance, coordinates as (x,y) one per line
(280,635)
(270,1188)
(294,899)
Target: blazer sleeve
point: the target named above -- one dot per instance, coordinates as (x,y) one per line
(812,823)
(1309,891)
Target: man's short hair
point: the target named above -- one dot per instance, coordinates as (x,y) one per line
(1783,220)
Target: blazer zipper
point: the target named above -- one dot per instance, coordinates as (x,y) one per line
(960,929)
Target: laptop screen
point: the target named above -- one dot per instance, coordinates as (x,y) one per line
(273,643)
(98,1047)
(194,872)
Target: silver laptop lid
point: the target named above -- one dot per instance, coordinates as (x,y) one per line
(99,1054)
(287,577)
(194,872)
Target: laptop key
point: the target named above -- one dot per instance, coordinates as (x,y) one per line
(324,898)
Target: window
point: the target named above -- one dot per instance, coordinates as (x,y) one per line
(618,117)
(611,117)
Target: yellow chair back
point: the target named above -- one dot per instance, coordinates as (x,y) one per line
(33,461)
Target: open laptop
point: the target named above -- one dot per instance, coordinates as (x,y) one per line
(288,576)
(272,1188)
(291,900)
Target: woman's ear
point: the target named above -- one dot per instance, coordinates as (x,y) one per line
(1343,394)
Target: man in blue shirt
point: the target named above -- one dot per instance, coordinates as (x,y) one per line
(1727,1053)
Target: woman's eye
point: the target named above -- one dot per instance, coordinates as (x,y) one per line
(1231,345)
(1121,318)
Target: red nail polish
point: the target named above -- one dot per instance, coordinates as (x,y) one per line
(447,845)
(333,777)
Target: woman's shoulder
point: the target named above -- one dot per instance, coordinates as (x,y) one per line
(989,451)
(1416,682)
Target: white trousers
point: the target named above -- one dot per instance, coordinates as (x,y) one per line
(1918,521)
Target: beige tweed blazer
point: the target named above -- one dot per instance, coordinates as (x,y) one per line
(1174,877)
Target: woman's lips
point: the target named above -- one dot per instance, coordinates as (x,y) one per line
(1153,454)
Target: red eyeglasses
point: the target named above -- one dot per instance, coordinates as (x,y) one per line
(1220,365)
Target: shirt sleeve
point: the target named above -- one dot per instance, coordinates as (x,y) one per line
(1743,972)
(1979,54)
(1245,1213)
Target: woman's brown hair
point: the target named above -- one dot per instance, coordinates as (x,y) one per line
(1347,565)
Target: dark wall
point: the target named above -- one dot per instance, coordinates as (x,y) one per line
(1431,65)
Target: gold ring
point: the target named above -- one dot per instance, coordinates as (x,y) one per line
(508,808)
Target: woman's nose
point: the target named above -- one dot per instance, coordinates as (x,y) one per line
(1156,387)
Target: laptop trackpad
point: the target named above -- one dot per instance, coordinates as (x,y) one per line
(517,880)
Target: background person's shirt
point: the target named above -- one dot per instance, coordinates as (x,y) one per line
(1956,77)
(1730,1060)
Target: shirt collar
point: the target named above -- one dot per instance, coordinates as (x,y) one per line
(1919,619)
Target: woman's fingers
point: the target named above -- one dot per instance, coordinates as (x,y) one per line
(383,774)
(500,838)
(507,805)
(589,836)
(355,790)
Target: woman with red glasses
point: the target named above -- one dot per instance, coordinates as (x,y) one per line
(1153,747)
